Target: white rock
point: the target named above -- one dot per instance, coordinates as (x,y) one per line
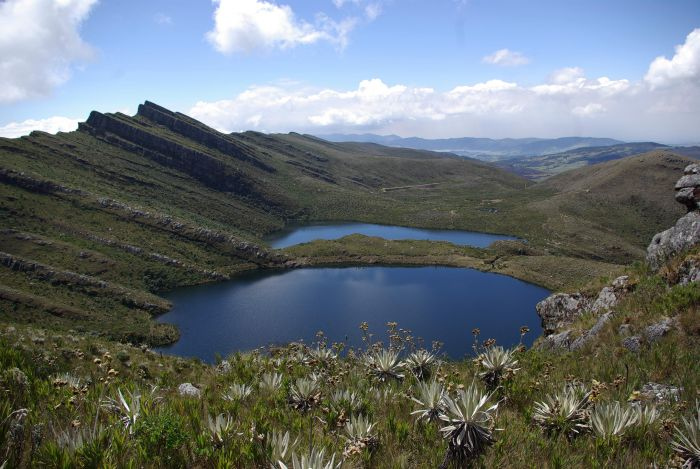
(188,390)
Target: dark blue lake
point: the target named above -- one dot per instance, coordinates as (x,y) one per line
(435,303)
(306,233)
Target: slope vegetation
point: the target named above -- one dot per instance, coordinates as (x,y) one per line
(544,166)
(95,221)
(98,221)
(78,401)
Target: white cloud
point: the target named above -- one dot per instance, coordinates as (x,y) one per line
(570,104)
(588,110)
(248,25)
(39,43)
(51,125)
(572,81)
(683,66)
(506,58)
(341,3)
(163,19)
(566,75)
(372,11)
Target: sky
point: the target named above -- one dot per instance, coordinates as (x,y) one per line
(625,69)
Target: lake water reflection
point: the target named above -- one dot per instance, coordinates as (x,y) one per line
(435,303)
(306,233)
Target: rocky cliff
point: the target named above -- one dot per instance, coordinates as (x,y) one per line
(202,153)
(686,232)
(194,130)
(561,311)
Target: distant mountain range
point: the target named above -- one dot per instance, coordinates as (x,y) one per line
(487,149)
(534,158)
(544,166)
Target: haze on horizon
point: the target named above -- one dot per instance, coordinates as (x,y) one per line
(627,69)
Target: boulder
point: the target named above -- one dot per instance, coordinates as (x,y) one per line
(660,393)
(621,283)
(606,299)
(561,340)
(689,271)
(560,309)
(188,390)
(688,187)
(664,245)
(656,331)
(633,343)
(686,232)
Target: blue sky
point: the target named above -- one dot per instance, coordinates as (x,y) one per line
(442,68)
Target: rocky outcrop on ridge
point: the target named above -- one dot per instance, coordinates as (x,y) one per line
(205,168)
(187,127)
(561,310)
(214,159)
(686,232)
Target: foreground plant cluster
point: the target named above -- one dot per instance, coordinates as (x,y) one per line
(75,400)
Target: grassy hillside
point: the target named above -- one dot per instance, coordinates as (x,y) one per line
(540,167)
(95,223)
(149,202)
(615,196)
(98,221)
(72,400)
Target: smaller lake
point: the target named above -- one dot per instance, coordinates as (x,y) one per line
(278,307)
(306,233)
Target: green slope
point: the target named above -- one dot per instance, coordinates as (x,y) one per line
(159,200)
(97,221)
(540,167)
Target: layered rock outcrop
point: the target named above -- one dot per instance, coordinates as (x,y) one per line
(212,158)
(85,283)
(686,232)
(34,184)
(560,310)
(201,166)
(190,128)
